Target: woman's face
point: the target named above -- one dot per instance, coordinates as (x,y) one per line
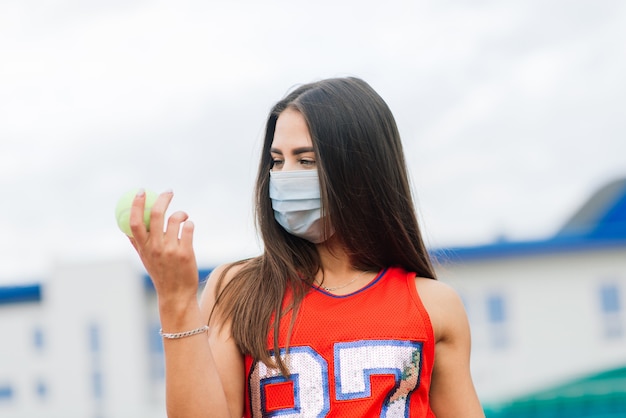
(292,147)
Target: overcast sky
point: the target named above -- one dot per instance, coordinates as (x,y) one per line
(512,113)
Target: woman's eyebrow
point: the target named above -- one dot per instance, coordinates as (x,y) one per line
(296,151)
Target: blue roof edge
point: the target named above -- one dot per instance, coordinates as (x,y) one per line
(32,292)
(599,224)
(511,249)
(20,294)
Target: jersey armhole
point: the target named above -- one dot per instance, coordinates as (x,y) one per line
(410,282)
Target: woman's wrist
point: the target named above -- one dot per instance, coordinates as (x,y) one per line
(179,314)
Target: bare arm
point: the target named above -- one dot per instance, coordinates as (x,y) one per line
(192,379)
(230,366)
(452,392)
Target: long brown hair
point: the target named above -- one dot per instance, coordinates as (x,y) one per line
(365,193)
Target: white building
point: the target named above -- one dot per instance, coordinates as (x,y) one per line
(83,344)
(548,327)
(548,317)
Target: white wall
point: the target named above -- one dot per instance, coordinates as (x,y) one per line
(554,327)
(94,360)
(106,299)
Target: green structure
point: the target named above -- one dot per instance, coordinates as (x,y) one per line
(602,395)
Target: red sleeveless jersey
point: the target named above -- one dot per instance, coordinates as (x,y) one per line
(366,354)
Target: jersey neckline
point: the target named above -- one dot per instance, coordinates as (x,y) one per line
(376,279)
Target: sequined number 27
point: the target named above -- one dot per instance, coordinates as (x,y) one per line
(354,363)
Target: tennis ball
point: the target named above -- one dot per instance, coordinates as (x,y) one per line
(122,209)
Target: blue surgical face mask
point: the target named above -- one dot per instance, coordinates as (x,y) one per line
(297,205)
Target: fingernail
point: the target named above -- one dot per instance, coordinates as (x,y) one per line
(169,191)
(141,192)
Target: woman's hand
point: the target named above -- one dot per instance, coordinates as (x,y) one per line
(166,252)
(193,384)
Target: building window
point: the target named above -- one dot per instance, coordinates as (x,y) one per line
(41,389)
(496,312)
(497,321)
(6,393)
(611,311)
(94,338)
(97,379)
(97,384)
(38,339)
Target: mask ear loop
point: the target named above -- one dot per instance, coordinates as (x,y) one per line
(328,229)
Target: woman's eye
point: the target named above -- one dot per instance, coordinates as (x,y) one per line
(307,162)
(276,162)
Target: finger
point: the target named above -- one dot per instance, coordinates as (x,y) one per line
(137,226)
(157,214)
(186,235)
(173,225)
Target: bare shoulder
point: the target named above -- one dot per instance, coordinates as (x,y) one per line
(434,288)
(436,295)
(221,276)
(444,306)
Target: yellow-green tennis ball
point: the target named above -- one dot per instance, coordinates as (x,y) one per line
(122,210)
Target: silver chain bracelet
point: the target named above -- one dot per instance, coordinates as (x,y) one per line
(176,335)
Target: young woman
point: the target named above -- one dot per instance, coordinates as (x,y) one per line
(341,316)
